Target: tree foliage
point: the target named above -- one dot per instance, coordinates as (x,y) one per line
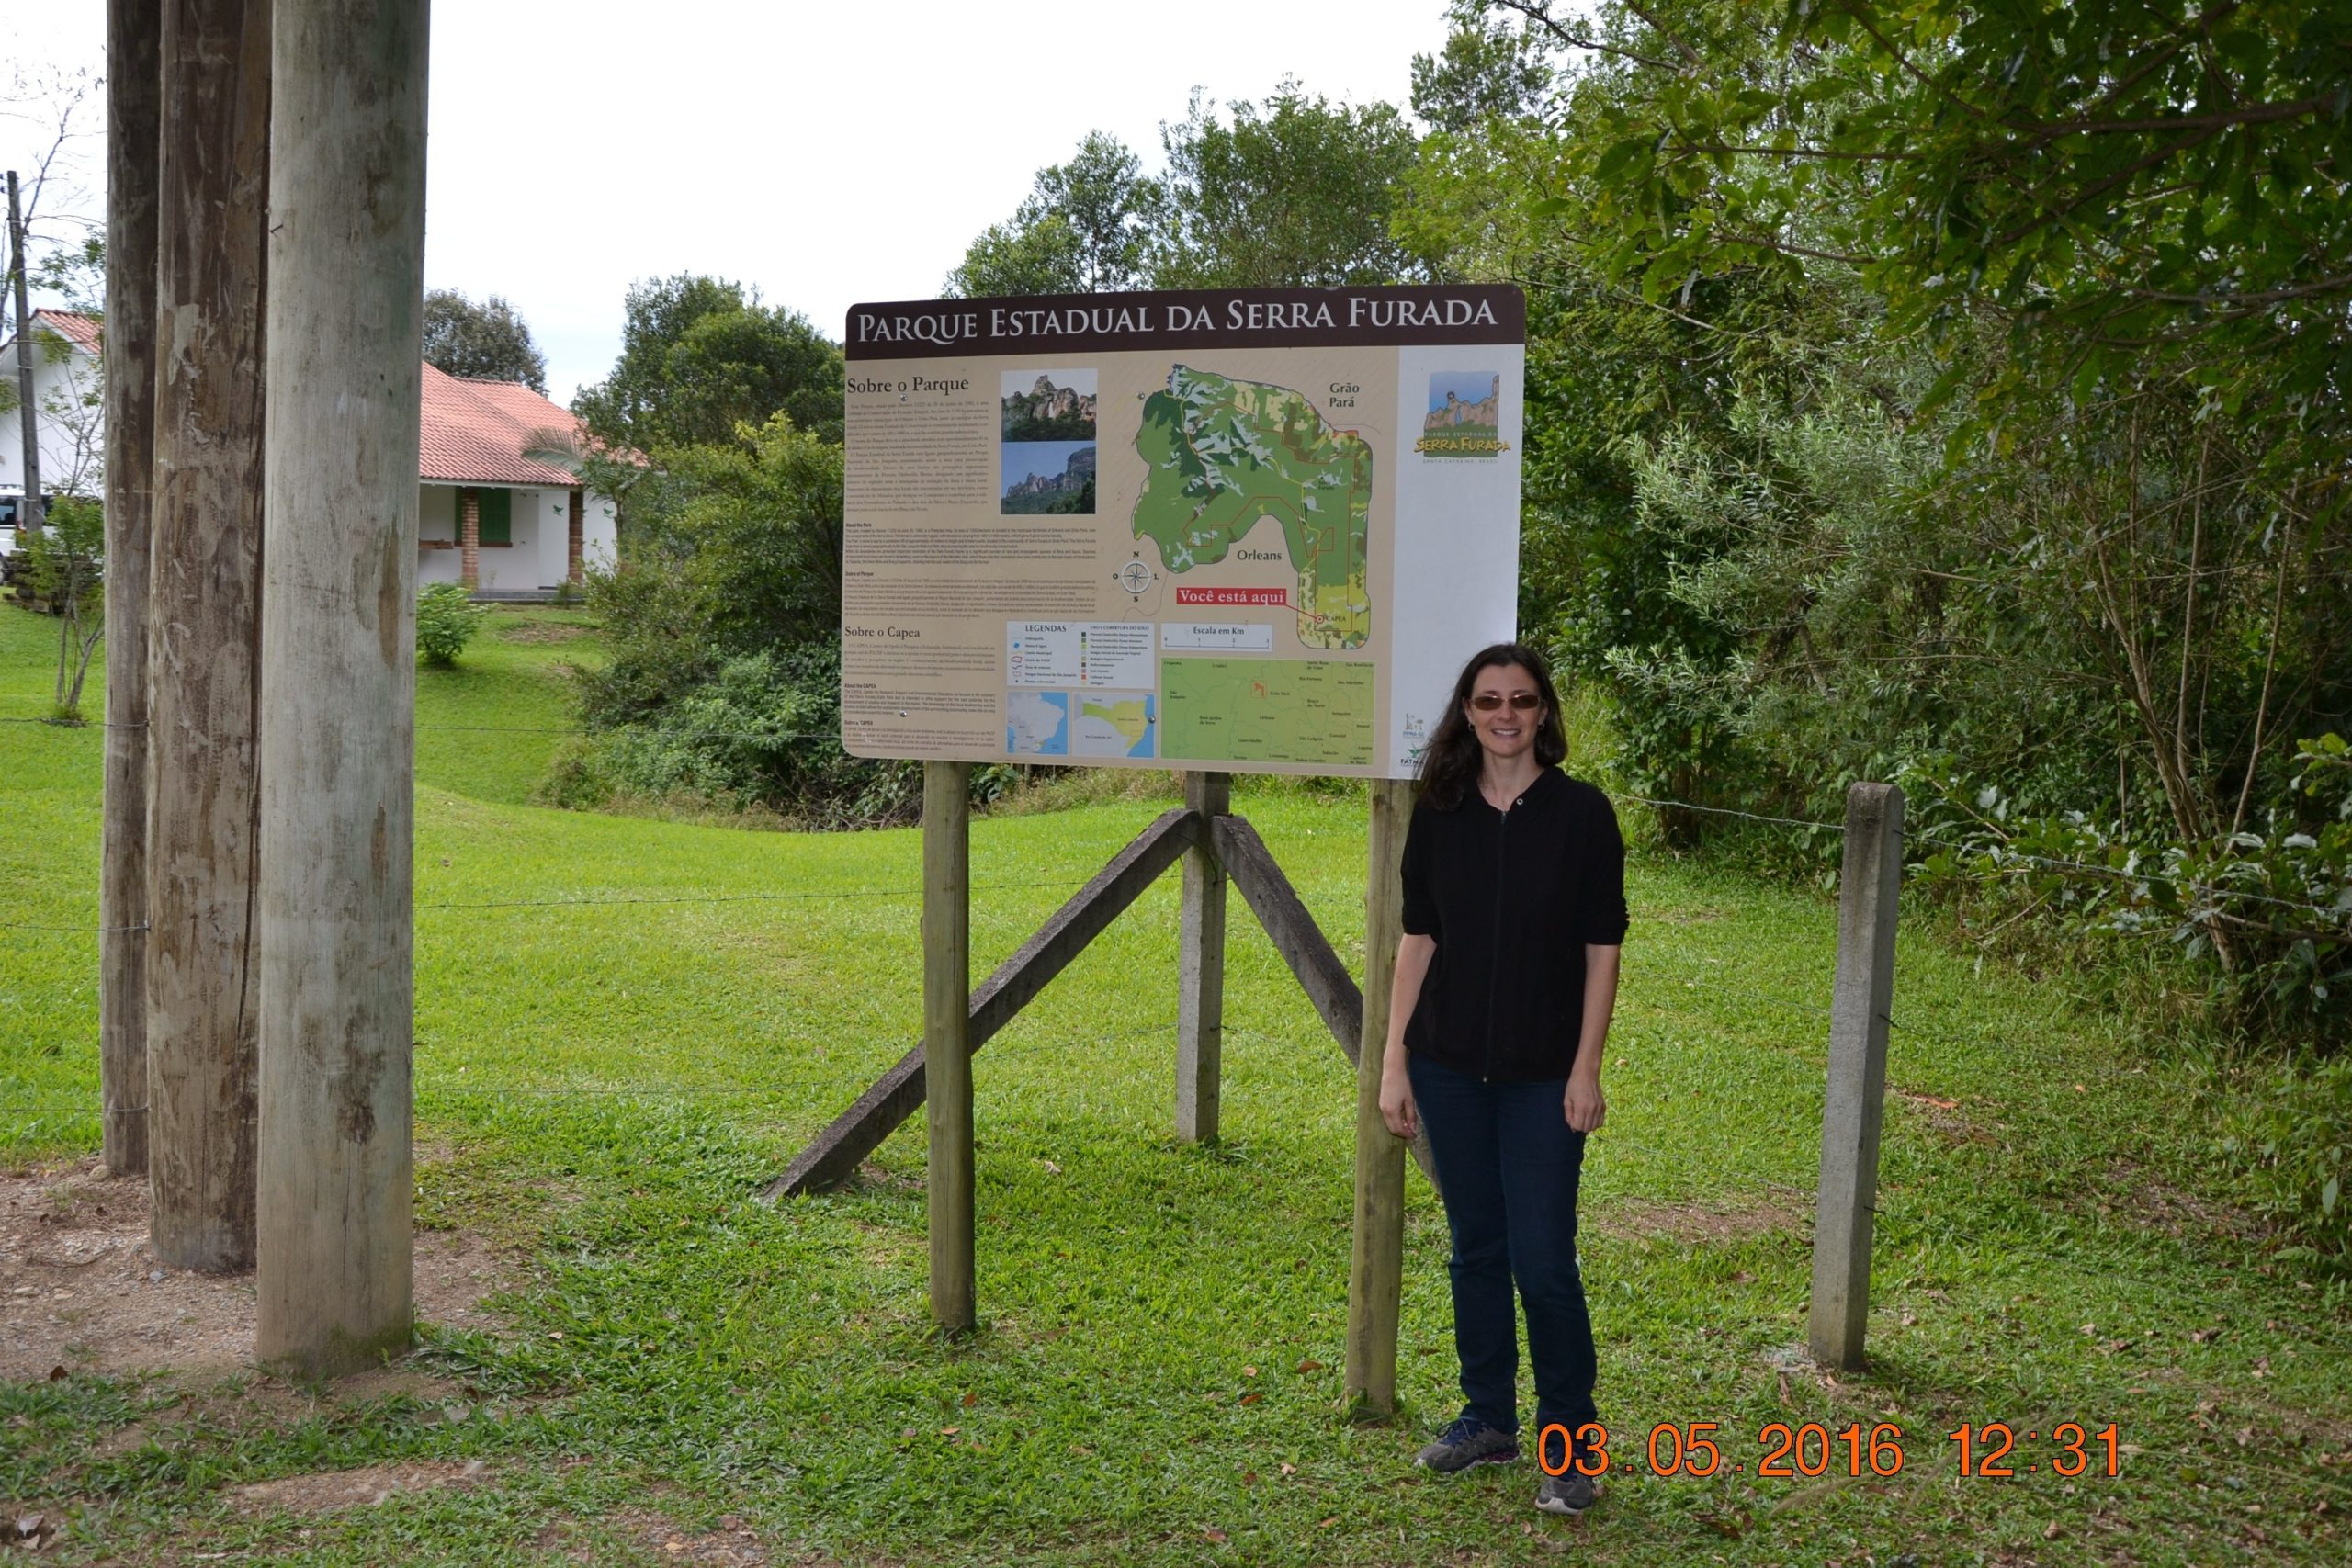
(724,626)
(1295,191)
(1082,229)
(1298,191)
(1880,425)
(701,359)
(486,341)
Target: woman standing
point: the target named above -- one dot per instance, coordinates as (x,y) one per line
(1506,977)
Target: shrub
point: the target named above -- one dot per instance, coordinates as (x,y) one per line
(447,619)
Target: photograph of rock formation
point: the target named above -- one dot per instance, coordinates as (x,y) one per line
(1048,405)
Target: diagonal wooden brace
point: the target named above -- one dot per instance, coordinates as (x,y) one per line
(857,1131)
(876,1114)
(1325,979)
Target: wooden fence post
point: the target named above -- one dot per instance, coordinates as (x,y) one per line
(346,281)
(203,630)
(1376,1261)
(946,1036)
(1200,1001)
(134,107)
(1868,885)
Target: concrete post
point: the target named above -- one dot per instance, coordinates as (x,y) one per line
(1870,884)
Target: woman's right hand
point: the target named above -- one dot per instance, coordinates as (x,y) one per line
(1397,1107)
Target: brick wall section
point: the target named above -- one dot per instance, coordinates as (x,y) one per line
(470,537)
(579,526)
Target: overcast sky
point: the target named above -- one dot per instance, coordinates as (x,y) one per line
(826,154)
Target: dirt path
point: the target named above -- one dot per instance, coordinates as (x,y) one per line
(80,1290)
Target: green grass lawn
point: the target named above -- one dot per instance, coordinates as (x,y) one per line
(603,1087)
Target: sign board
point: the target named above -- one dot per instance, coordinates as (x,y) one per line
(1253,531)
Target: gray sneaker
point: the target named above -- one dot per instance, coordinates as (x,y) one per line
(1467,1442)
(1570,1493)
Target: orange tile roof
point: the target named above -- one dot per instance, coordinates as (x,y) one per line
(476,432)
(75,328)
(473,431)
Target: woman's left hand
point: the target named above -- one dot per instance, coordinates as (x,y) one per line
(1585,1106)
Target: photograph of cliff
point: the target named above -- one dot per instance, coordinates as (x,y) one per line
(1041,477)
(1048,405)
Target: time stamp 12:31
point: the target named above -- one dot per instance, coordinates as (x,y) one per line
(1994,1451)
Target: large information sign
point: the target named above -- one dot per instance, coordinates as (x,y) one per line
(1255,531)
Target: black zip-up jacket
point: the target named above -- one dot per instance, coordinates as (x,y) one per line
(1511,898)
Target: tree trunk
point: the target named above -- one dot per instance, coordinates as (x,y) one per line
(134,104)
(346,268)
(203,630)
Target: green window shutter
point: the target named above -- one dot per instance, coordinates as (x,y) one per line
(497,517)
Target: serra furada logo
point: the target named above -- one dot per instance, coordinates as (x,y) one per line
(1464,417)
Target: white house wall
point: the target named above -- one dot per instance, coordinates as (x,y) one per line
(436,520)
(73,448)
(540,556)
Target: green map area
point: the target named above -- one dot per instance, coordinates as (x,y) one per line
(1221,455)
(1266,710)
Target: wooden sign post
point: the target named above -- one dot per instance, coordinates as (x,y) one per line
(947,1035)
(1200,968)
(1377,1261)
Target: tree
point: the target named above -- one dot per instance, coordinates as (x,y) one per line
(2132,188)
(65,568)
(1082,229)
(489,342)
(701,359)
(1297,192)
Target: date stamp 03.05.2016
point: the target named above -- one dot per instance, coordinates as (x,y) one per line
(1994,1451)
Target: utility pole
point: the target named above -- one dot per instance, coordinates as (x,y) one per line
(135,109)
(346,290)
(28,513)
(204,632)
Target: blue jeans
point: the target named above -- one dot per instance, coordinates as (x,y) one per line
(1508,1163)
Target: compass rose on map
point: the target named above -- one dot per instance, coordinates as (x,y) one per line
(1135,577)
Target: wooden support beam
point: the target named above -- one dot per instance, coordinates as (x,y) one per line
(1200,968)
(857,1131)
(204,631)
(335,883)
(946,1036)
(1303,945)
(1293,931)
(1870,884)
(1376,1259)
(135,121)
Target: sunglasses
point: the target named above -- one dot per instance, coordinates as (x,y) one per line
(1520,702)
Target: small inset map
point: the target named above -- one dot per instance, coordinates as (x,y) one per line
(1222,455)
(1466,415)
(1269,710)
(1036,724)
(1115,724)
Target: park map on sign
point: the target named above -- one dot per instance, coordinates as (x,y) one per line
(1220,454)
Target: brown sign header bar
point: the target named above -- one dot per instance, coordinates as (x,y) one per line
(1057,324)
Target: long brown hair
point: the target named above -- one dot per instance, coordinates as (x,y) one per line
(1450,762)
